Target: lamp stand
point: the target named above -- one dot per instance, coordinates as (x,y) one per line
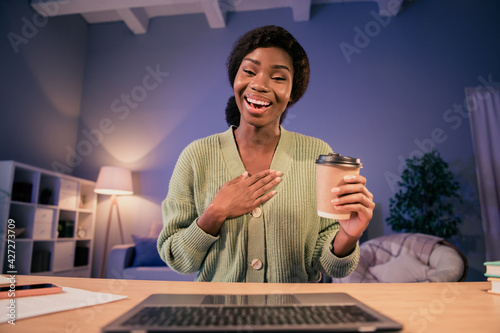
(114,203)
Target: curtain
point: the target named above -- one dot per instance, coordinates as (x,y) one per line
(484,111)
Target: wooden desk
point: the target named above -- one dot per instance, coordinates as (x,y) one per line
(420,307)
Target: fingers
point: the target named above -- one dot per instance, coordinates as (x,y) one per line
(242,194)
(262,177)
(264,181)
(355,179)
(266,186)
(261,183)
(344,190)
(238,179)
(258,180)
(354,197)
(264,198)
(353,202)
(258,185)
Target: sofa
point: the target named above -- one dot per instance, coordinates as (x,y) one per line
(141,261)
(403,257)
(408,257)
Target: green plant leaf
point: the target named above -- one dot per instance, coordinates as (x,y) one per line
(422,203)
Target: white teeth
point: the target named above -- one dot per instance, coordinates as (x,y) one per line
(254,101)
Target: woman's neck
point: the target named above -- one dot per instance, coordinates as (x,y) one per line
(262,138)
(256,147)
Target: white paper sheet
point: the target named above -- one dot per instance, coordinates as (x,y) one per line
(4,281)
(69,299)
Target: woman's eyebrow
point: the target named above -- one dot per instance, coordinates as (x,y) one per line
(273,66)
(252,61)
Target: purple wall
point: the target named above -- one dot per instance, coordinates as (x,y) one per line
(41,77)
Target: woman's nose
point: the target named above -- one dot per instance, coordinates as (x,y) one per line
(259,84)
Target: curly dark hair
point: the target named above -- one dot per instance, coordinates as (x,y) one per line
(268,36)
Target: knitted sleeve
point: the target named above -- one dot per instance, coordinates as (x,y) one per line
(182,244)
(329,263)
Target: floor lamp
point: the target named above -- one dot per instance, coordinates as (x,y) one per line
(113,181)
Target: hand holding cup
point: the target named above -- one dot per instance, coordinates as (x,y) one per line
(330,172)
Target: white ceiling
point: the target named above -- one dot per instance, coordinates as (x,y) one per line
(137,13)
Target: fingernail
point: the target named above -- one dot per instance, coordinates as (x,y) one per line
(335,190)
(273,192)
(278,179)
(278,173)
(347,178)
(335,200)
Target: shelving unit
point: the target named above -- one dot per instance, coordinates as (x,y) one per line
(52,217)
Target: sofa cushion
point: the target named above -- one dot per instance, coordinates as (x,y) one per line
(445,264)
(404,268)
(146,253)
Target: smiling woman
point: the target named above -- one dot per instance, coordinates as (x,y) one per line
(263,85)
(268,37)
(241,205)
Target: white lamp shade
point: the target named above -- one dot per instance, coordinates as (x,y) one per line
(114,180)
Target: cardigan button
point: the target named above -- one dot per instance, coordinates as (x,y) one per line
(256,264)
(257,212)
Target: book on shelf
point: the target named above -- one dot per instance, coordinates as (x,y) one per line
(495,285)
(492,269)
(40,261)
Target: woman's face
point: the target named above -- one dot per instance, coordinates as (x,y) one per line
(263,85)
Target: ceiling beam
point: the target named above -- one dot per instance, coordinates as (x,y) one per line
(65,7)
(301,10)
(136,19)
(135,16)
(214,14)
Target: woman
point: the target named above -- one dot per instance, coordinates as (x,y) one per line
(241,204)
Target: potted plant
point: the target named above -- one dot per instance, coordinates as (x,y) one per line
(423,203)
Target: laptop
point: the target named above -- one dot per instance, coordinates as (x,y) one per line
(324,312)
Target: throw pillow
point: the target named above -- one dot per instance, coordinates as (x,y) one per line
(445,264)
(404,268)
(146,253)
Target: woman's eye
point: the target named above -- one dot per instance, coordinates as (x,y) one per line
(249,72)
(279,78)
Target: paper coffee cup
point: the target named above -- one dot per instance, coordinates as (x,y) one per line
(330,172)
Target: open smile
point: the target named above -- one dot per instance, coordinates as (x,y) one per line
(257,104)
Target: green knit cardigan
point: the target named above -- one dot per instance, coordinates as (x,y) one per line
(289,241)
